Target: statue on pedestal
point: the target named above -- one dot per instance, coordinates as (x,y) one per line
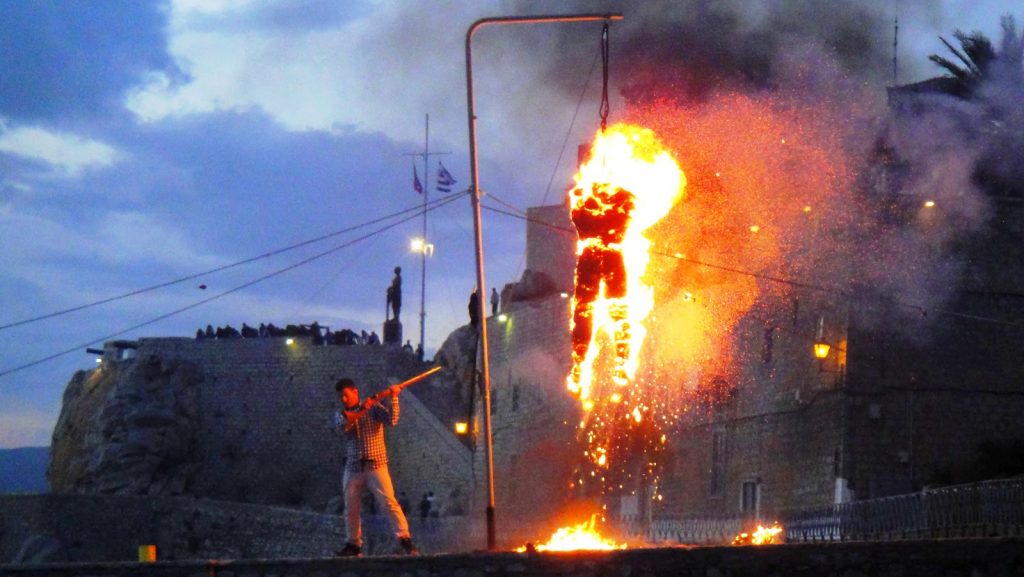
(394,304)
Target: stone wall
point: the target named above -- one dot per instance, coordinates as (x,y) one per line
(533,416)
(551,244)
(106,528)
(949,558)
(259,427)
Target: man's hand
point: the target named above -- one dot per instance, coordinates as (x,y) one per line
(395,389)
(369,402)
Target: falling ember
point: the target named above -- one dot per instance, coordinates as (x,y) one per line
(576,538)
(628,184)
(762,536)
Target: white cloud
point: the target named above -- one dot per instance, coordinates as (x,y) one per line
(359,72)
(66,152)
(236,68)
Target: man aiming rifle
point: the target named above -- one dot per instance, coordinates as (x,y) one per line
(366,459)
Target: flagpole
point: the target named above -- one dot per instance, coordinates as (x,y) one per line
(425,247)
(423,255)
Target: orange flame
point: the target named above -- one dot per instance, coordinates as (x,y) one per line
(762,536)
(629,183)
(575,538)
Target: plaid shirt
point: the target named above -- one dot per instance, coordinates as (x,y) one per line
(364,444)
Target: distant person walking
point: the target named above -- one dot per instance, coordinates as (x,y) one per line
(366,463)
(495,300)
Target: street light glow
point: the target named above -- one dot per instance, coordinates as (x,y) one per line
(821,349)
(419,246)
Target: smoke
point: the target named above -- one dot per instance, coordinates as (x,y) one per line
(725,82)
(699,47)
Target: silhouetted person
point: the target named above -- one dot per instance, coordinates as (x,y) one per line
(374,339)
(209,332)
(474,309)
(495,299)
(249,332)
(424,508)
(395,293)
(314,330)
(419,351)
(407,347)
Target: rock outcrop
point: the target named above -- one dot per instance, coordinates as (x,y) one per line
(127,429)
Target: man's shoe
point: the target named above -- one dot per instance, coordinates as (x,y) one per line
(408,547)
(350,550)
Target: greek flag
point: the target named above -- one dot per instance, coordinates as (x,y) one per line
(416,181)
(444,179)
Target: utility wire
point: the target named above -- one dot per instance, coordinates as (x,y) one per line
(565,141)
(780,280)
(419,208)
(278,272)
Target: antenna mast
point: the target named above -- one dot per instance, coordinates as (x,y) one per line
(895,49)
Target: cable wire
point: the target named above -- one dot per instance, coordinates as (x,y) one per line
(419,207)
(780,280)
(278,272)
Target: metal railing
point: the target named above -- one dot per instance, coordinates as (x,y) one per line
(695,529)
(990,508)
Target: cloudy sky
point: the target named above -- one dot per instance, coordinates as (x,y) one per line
(146,142)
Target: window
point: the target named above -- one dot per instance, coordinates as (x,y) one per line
(750,497)
(769,342)
(717,462)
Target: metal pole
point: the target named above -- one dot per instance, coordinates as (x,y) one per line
(479,239)
(423,257)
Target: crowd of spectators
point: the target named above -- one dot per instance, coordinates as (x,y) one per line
(320,335)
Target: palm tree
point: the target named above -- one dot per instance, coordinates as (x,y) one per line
(976,56)
(977,60)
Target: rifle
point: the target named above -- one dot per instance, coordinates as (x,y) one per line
(353,415)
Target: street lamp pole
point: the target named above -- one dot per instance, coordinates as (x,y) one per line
(479,239)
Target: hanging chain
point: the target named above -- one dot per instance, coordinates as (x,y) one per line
(605,107)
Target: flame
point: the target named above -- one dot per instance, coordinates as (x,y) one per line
(762,536)
(629,184)
(577,537)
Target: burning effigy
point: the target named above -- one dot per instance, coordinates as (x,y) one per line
(627,184)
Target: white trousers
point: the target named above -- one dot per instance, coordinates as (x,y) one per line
(378,482)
